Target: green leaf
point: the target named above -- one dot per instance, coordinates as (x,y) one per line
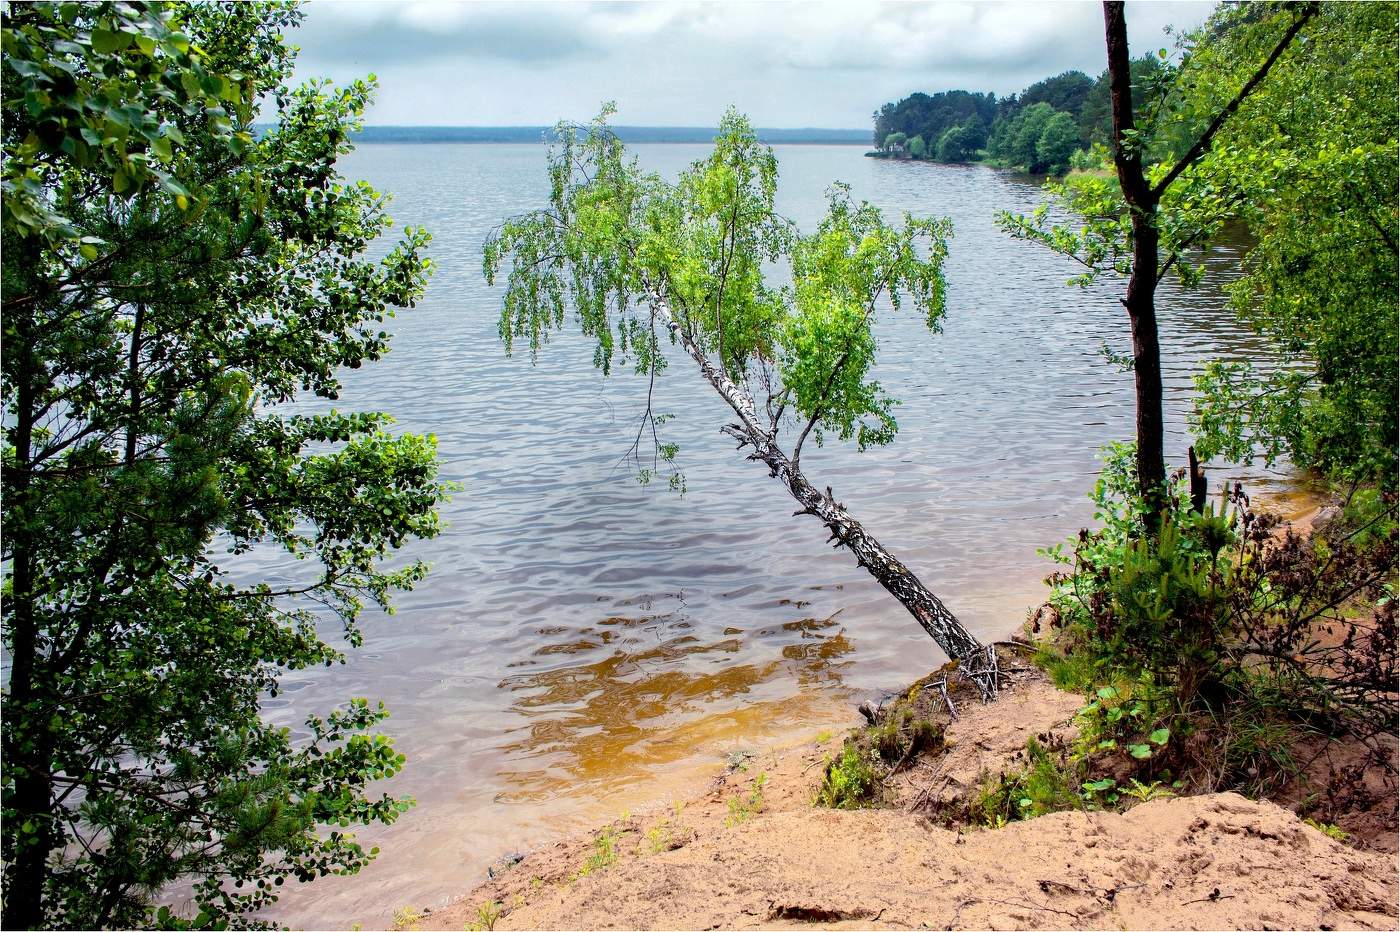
(1140,751)
(1160,736)
(108,42)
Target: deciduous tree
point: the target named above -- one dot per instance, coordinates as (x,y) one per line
(169,280)
(1144,225)
(643,263)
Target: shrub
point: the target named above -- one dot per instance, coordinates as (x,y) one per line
(1228,623)
(849,783)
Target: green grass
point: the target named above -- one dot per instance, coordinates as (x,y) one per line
(1044,785)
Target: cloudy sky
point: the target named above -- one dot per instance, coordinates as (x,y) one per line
(786,64)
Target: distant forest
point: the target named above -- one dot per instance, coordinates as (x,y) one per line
(1038,130)
(629,134)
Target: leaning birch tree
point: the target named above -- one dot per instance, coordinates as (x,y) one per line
(638,263)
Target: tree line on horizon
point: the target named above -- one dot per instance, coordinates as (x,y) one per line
(1038,130)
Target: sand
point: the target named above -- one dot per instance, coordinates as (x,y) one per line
(1216,861)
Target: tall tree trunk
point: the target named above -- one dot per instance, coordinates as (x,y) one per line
(928,610)
(1142,284)
(25,743)
(1142,199)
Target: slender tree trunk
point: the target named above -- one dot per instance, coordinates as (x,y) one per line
(1142,199)
(25,743)
(928,610)
(1142,284)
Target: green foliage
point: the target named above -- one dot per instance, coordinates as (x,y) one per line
(1147,792)
(1310,158)
(487,915)
(917,148)
(1333,832)
(743,808)
(659,836)
(1055,778)
(1057,143)
(694,253)
(1066,92)
(1012,140)
(959,143)
(163,300)
(1307,163)
(1095,158)
(1213,629)
(408,919)
(604,852)
(932,115)
(849,781)
(1122,718)
(1037,138)
(904,734)
(1044,785)
(76,78)
(894,140)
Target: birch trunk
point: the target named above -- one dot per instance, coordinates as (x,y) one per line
(930,612)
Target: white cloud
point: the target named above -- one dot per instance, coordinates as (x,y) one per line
(784,63)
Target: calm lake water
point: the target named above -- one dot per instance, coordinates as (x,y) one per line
(585,644)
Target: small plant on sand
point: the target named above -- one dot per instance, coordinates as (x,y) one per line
(487,915)
(824,736)
(1146,792)
(1044,785)
(1121,718)
(1334,832)
(849,782)
(743,808)
(659,837)
(1099,794)
(407,918)
(903,734)
(604,852)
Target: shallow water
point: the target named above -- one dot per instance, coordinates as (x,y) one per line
(586,644)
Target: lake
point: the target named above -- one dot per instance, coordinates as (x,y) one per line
(585,643)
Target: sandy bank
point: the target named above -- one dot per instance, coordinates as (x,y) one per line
(1203,862)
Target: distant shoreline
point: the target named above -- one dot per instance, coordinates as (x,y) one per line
(628,134)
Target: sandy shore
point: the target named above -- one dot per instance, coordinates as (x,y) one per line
(719,861)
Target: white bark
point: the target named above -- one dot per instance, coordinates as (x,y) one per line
(894,576)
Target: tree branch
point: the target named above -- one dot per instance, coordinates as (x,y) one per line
(1203,144)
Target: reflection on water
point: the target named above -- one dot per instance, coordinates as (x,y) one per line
(585,644)
(617,700)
